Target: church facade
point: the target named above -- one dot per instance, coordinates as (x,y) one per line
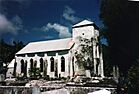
(56,58)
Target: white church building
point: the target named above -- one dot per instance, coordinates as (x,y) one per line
(56,58)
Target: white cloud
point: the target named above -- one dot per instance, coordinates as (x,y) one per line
(48,37)
(69,10)
(17,21)
(6,25)
(62,30)
(11,26)
(18,24)
(68,14)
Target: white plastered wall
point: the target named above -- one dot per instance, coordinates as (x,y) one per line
(46,57)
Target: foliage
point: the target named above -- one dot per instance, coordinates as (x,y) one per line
(133,77)
(121,19)
(84,54)
(7,53)
(35,72)
(108,66)
(107,82)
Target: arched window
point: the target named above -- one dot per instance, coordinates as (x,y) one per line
(41,64)
(62,64)
(52,64)
(22,66)
(31,64)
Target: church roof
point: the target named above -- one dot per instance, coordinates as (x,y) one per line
(45,46)
(11,64)
(82,23)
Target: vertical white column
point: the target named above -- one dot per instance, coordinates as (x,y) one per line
(97,50)
(117,70)
(26,58)
(94,56)
(56,65)
(70,62)
(48,65)
(114,74)
(98,58)
(101,62)
(45,65)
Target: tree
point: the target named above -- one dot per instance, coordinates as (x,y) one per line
(133,76)
(121,19)
(7,53)
(108,66)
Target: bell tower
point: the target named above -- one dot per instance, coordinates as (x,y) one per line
(88,30)
(83,29)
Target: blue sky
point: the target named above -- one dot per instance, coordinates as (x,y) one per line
(37,20)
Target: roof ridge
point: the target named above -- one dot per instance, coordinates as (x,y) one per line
(49,40)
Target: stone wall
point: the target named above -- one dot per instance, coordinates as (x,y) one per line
(44,89)
(16,90)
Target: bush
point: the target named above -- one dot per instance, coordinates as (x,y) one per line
(133,79)
(35,73)
(108,82)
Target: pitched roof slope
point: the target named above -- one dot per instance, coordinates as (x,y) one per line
(11,64)
(84,22)
(45,46)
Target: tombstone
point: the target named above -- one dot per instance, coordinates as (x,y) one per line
(36,90)
(88,74)
(2,77)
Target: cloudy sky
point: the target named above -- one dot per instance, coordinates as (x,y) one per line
(37,20)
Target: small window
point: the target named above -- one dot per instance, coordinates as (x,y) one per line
(30,55)
(40,54)
(62,64)
(52,64)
